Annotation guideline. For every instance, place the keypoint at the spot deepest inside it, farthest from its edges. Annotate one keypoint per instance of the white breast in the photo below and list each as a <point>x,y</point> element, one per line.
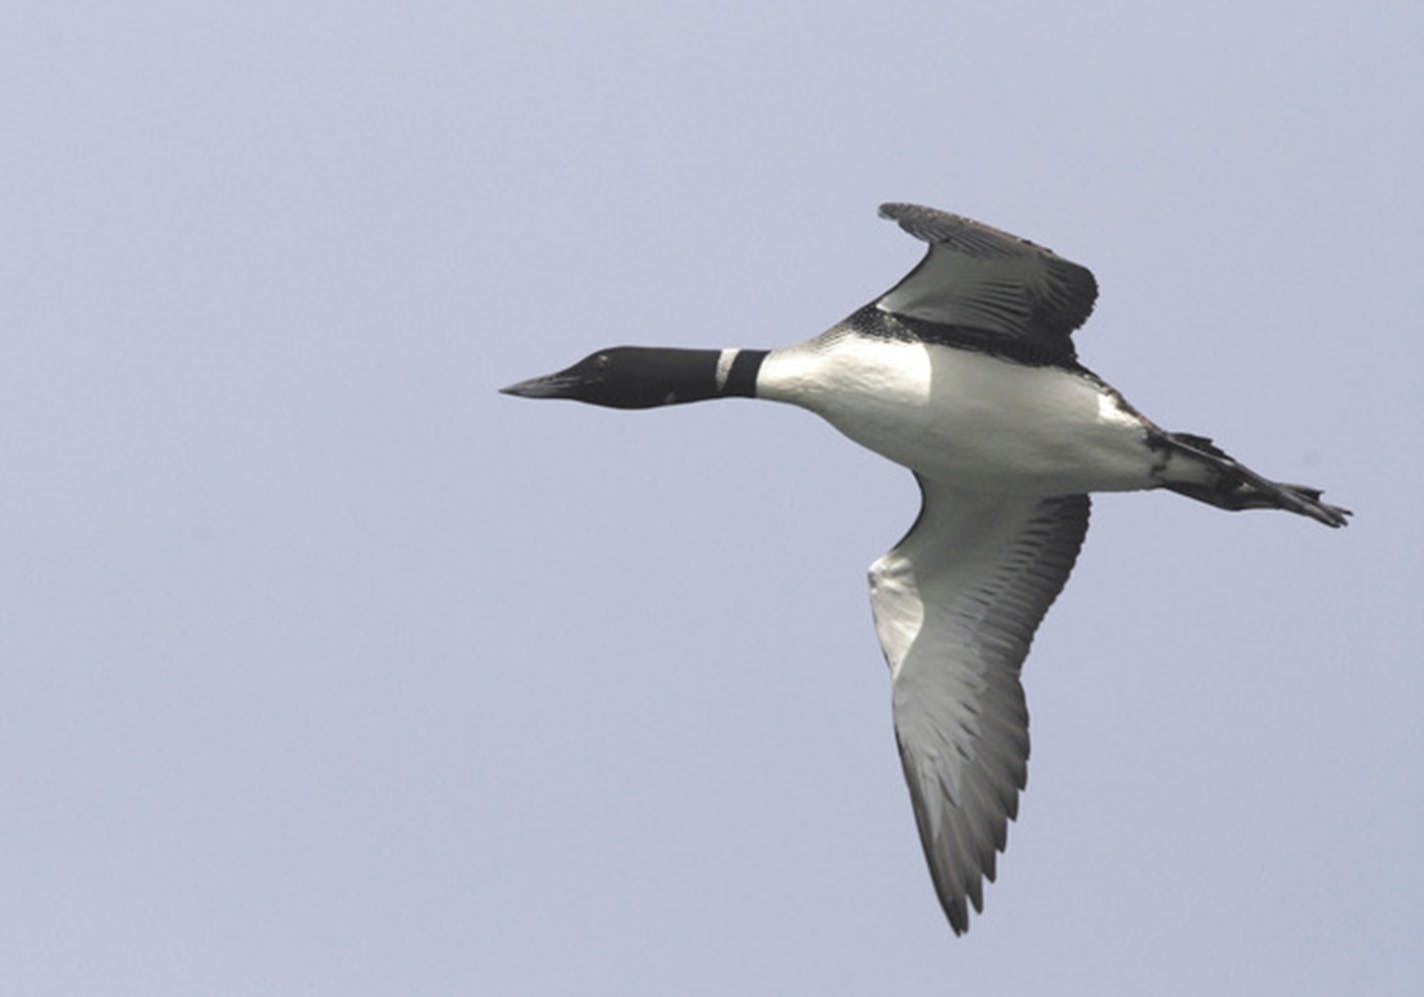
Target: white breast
<point>966,417</point>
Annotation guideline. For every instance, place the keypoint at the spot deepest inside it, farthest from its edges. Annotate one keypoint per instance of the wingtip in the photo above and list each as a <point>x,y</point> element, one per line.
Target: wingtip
<point>896,210</point>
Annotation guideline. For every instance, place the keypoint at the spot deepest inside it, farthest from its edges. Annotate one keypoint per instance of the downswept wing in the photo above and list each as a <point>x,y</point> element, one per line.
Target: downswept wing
<point>980,278</point>
<point>956,604</point>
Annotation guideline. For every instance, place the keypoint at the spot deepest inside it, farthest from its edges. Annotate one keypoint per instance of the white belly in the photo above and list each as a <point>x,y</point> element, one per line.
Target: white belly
<point>964,417</point>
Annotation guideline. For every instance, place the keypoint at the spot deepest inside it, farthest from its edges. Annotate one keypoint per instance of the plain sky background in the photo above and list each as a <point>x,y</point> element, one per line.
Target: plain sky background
<point>328,670</point>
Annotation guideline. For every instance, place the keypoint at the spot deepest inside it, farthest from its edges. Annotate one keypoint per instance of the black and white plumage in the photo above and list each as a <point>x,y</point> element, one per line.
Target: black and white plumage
<point>964,372</point>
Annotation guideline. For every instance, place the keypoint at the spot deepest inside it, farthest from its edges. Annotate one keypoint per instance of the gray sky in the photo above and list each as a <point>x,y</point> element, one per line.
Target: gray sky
<point>326,669</point>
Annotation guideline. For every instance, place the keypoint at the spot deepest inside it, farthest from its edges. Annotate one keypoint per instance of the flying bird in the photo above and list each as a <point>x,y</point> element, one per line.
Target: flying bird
<point>964,372</point>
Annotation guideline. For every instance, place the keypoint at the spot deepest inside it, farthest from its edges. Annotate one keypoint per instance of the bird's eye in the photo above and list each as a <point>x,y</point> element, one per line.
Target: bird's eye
<point>601,360</point>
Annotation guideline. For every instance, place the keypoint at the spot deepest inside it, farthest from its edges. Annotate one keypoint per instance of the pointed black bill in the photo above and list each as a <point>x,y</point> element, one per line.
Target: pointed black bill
<point>550,386</point>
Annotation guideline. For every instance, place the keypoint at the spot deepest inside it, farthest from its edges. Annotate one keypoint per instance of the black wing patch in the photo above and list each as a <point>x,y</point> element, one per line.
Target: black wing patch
<point>982,288</point>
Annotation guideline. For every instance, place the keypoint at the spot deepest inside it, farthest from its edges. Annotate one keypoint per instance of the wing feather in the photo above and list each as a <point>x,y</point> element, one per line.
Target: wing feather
<point>981,278</point>
<point>956,604</point>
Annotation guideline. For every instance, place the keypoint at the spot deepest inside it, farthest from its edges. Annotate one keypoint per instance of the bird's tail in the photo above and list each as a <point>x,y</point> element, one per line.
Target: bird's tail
<point>1233,485</point>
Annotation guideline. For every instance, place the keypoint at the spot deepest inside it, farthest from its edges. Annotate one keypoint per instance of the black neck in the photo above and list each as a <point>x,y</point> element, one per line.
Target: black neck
<point>742,375</point>
<point>677,376</point>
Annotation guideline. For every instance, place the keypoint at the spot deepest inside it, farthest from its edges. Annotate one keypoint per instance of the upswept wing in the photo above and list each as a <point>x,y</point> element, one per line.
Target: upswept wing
<point>956,604</point>
<point>980,278</point>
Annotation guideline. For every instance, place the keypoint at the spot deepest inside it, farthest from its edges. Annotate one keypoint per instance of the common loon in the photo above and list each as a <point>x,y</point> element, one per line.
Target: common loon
<point>965,373</point>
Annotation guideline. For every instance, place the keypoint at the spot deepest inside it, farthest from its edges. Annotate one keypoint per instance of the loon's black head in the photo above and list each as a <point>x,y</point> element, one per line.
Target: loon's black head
<point>630,377</point>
